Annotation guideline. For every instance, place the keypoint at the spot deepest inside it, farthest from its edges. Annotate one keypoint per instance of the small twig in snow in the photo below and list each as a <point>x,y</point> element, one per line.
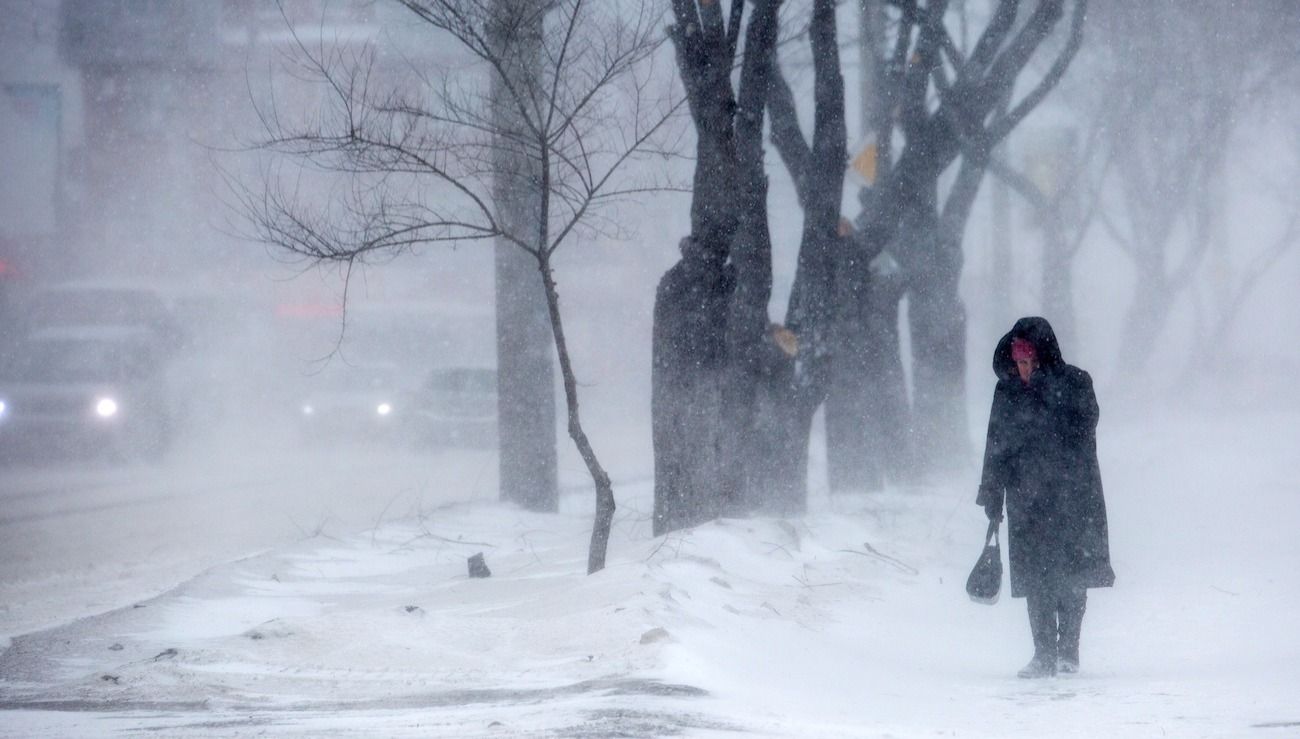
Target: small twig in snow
<point>774,546</point>
<point>871,552</point>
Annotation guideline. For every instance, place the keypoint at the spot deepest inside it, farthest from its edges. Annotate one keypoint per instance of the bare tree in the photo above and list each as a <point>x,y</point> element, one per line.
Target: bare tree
<point>712,346</point>
<point>763,380</point>
<point>1259,265</point>
<point>867,413</point>
<point>1186,75</point>
<point>813,317</point>
<point>948,103</point>
<point>1064,199</point>
<point>1239,271</point>
<point>414,165</point>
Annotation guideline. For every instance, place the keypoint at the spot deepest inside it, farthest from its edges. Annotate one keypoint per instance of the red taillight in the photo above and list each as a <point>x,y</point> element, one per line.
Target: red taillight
<point>308,310</point>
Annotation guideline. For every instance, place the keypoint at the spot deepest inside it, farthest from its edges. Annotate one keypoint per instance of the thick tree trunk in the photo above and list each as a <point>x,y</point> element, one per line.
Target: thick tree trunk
<point>778,466</point>
<point>795,378</point>
<point>866,402</point>
<point>938,326</point>
<point>903,212</point>
<point>525,365</point>
<point>749,349</point>
<point>750,357</point>
<point>525,384</point>
<point>888,411</point>
<point>938,319</point>
<point>937,323</point>
<point>850,460</point>
<point>693,392</point>
<point>934,140</point>
<point>874,405</point>
<point>1058,277</point>
<point>688,380</point>
<point>711,308</point>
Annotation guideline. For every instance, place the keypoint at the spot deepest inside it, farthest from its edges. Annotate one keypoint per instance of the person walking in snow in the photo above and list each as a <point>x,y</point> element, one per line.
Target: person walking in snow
<point>1041,459</point>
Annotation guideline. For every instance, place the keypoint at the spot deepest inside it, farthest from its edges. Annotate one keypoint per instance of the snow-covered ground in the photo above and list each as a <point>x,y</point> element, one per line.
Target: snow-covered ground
<point>82,537</point>
<point>849,622</point>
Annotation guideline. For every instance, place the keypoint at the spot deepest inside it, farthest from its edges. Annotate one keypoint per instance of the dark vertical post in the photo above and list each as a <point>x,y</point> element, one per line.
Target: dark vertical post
<point>525,344</point>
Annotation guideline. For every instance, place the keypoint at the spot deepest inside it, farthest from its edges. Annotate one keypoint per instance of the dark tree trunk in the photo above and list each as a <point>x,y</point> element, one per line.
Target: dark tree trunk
<point>1058,275</point>
<point>901,212</point>
<point>868,437</point>
<point>795,383</point>
<point>938,324</point>
<point>692,301</point>
<point>688,375</point>
<point>767,397</point>
<point>937,321</point>
<point>934,140</point>
<point>525,364</point>
<point>749,353</point>
<point>888,419</point>
<point>711,308</point>
<point>525,384</point>
<point>851,460</point>
<point>866,405</point>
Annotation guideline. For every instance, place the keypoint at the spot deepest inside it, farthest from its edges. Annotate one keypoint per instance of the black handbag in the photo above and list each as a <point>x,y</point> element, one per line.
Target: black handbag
<point>985,578</point>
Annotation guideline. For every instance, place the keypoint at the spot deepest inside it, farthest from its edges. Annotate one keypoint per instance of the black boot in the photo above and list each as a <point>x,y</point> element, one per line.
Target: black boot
<point>1070,618</point>
<point>1043,626</point>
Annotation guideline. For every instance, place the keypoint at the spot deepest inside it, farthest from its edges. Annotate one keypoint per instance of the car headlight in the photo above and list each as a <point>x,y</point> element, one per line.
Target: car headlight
<point>384,409</point>
<point>307,410</point>
<point>106,407</point>
<point>4,408</point>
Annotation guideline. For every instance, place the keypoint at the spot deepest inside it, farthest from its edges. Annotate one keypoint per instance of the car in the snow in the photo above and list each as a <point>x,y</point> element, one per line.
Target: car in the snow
<point>201,337</point>
<point>86,390</point>
<point>455,406</point>
<point>352,402</point>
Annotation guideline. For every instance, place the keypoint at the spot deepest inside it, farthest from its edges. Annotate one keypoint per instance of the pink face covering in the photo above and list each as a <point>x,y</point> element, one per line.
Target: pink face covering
<point>1021,350</point>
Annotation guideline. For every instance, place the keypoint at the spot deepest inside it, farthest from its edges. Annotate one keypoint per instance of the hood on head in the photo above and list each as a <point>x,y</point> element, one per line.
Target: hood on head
<point>1036,331</point>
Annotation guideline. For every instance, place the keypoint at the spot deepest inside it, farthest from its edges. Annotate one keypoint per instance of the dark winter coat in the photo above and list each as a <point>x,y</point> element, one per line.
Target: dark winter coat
<point>1041,458</point>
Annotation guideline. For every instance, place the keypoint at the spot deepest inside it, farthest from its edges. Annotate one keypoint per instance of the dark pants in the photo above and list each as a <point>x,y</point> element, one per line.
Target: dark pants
<point>1055,619</point>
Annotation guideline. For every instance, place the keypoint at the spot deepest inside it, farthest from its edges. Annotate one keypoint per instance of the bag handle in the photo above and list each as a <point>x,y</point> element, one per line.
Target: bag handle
<point>992,535</point>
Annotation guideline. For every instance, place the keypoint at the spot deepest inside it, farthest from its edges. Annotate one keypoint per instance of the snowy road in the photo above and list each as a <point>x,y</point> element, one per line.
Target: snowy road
<point>81,538</point>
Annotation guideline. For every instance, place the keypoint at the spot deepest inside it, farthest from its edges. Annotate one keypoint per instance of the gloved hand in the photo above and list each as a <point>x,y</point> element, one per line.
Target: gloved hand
<point>993,511</point>
<point>1048,386</point>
